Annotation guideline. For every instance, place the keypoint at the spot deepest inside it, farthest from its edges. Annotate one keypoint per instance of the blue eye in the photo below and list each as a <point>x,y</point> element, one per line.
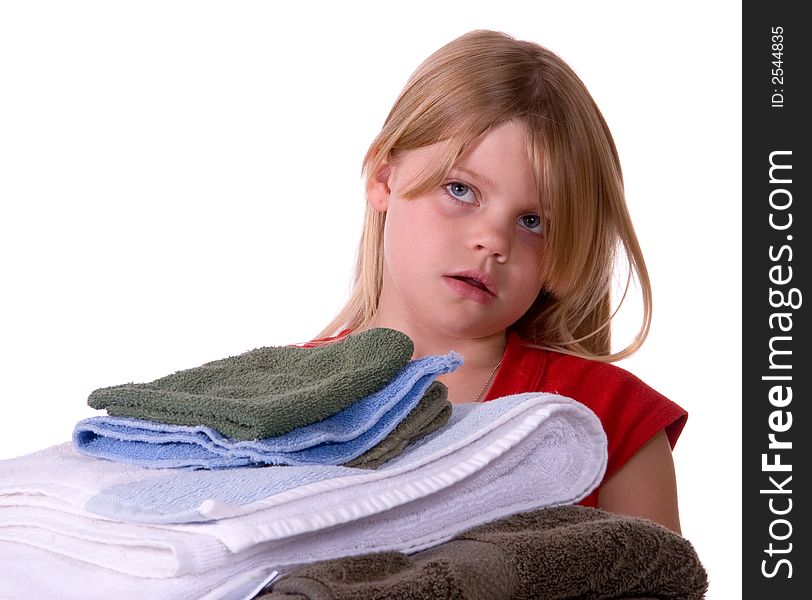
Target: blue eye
<point>460,192</point>
<point>531,222</point>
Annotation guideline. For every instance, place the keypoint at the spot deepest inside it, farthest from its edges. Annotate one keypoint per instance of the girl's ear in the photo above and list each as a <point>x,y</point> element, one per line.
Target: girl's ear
<point>378,188</point>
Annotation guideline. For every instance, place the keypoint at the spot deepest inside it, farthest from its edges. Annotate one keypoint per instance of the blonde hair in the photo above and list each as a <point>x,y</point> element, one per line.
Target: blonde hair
<point>470,86</point>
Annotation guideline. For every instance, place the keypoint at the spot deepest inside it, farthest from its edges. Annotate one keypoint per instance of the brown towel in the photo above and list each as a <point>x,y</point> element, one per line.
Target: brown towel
<point>431,413</point>
<point>551,554</point>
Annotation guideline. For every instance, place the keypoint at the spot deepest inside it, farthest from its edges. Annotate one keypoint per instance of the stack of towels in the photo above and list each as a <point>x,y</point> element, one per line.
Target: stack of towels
<point>356,402</point>
<point>93,518</point>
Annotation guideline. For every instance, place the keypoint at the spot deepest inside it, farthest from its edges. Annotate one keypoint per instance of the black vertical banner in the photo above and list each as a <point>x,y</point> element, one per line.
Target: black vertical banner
<point>777,227</point>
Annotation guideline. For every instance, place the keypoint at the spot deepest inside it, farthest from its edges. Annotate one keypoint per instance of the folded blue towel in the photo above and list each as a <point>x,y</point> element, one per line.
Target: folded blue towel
<point>335,440</point>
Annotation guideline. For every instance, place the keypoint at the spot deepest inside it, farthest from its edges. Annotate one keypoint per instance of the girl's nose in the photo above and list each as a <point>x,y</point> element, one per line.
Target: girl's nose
<point>492,238</point>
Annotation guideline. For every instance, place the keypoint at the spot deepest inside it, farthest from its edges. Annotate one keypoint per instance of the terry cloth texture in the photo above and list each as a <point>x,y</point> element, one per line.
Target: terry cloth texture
<point>338,439</point>
<point>546,448</point>
<point>550,554</point>
<point>129,524</point>
<point>433,411</point>
<point>31,573</point>
<point>268,391</point>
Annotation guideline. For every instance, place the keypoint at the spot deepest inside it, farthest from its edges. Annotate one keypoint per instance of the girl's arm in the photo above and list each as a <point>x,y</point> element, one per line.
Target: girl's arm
<point>646,486</point>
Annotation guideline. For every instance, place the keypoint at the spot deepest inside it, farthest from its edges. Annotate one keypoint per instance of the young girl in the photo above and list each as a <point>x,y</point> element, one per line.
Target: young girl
<point>495,210</point>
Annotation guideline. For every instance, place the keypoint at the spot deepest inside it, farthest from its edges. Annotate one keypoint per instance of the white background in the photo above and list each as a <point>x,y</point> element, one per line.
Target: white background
<point>180,181</point>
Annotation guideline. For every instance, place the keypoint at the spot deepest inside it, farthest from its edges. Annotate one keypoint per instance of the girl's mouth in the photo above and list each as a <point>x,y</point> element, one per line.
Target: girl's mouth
<point>473,286</point>
<point>471,281</point>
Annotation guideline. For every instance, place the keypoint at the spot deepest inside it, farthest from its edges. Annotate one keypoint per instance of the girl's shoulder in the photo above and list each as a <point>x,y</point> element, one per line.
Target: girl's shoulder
<point>630,410</point>
<point>325,340</point>
<point>539,369</point>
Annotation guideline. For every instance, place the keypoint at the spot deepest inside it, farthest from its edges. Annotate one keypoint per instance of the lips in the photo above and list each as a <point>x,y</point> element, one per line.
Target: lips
<point>474,285</point>
<point>477,279</point>
<point>471,281</point>
<point>474,282</point>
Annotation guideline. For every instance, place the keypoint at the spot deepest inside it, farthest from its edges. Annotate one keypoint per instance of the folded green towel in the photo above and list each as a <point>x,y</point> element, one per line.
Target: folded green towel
<point>556,553</point>
<point>431,413</point>
<point>268,391</point>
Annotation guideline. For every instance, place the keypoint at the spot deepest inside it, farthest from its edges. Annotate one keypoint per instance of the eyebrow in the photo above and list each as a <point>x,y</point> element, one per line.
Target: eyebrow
<point>475,175</point>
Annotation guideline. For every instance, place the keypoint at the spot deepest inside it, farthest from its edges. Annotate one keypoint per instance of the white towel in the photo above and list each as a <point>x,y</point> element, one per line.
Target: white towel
<point>518,453</point>
<point>32,573</point>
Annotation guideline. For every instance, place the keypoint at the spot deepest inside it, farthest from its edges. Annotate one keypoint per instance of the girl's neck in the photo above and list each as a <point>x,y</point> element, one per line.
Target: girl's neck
<point>481,356</point>
<point>477,350</point>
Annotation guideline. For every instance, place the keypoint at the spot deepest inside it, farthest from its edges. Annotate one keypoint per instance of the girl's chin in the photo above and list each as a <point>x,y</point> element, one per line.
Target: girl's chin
<point>463,328</point>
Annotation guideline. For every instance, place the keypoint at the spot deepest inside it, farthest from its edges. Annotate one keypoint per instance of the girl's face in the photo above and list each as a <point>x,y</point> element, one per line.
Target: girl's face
<point>462,260</point>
